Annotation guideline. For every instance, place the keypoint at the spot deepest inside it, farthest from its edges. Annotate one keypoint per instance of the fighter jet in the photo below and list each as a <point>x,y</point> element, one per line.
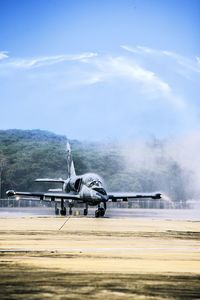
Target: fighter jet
<point>87,188</point>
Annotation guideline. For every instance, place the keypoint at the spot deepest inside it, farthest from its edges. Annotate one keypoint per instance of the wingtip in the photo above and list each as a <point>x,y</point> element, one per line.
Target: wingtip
<point>10,193</point>
<point>157,196</point>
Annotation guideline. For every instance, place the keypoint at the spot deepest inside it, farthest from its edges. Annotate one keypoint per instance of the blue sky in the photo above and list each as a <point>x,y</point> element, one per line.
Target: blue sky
<point>100,70</point>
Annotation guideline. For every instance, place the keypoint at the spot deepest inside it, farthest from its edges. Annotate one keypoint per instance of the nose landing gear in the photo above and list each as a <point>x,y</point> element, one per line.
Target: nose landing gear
<point>100,212</point>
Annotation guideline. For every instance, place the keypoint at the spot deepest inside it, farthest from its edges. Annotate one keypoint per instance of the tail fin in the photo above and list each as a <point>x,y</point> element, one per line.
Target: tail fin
<point>70,163</point>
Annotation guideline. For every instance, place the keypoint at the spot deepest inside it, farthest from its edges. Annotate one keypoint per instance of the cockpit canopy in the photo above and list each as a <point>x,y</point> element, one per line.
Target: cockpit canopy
<point>91,179</point>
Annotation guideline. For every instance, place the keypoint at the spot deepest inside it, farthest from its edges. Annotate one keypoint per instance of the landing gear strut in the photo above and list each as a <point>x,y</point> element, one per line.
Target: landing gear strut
<point>70,208</point>
<point>85,212</point>
<point>63,210</point>
<point>57,211</point>
<point>100,212</point>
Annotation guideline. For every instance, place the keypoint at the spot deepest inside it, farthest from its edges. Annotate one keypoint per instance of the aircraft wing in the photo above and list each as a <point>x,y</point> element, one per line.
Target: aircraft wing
<point>125,196</point>
<point>49,196</point>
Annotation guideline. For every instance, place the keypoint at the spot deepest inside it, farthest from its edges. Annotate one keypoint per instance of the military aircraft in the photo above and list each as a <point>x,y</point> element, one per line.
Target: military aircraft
<point>87,188</point>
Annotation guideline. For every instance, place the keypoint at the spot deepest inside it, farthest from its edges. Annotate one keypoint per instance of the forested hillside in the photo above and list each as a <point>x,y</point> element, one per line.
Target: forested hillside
<point>26,155</point>
<point>29,154</point>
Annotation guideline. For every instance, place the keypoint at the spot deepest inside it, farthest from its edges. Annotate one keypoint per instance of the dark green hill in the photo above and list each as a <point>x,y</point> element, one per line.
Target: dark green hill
<point>29,154</point>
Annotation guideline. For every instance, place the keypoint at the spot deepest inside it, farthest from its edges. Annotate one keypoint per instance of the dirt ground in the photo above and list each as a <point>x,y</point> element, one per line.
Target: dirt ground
<point>88,258</point>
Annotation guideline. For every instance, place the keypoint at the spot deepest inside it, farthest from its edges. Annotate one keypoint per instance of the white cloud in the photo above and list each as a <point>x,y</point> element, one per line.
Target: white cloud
<point>109,67</point>
<point>148,82</point>
<point>48,60</point>
<point>146,49</point>
<point>136,87</point>
<point>101,68</point>
<point>82,80</point>
<point>135,72</point>
<point>3,55</point>
<point>187,63</point>
<point>91,80</point>
<point>191,64</point>
<point>130,49</point>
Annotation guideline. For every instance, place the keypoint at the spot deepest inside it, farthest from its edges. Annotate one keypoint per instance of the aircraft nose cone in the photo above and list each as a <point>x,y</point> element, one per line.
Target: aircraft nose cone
<point>100,190</point>
<point>98,195</point>
<point>103,198</point>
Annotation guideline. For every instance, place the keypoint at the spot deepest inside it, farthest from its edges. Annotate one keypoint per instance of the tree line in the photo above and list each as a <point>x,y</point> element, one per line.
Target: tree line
<point>29,154</point>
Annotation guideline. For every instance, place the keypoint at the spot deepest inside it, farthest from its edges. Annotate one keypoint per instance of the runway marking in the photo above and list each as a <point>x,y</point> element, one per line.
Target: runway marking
<point>99,250</point>
<point>64,223</point>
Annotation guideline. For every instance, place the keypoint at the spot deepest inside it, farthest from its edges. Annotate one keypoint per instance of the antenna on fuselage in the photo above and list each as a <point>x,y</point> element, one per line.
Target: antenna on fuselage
<point>70,163</point>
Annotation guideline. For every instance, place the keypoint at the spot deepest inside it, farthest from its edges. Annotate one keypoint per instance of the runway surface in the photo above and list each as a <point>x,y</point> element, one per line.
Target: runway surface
<point>154,254</point>
<point>163,214</point>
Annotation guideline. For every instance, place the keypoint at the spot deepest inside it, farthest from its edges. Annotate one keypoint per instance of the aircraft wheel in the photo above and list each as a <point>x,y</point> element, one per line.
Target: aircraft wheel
<point>70,211</point>
<point>57,211</point>
<point>97,213</point>
<point>63,211</point>
<point>101,211</point>
<point>85,212</point>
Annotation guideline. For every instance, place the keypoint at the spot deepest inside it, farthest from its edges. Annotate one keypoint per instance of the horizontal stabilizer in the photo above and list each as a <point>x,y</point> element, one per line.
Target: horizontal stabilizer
<point>54,180</point>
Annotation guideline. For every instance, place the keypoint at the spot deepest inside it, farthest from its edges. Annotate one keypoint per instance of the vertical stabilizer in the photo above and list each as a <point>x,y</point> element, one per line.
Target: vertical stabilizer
<point>70,163</point>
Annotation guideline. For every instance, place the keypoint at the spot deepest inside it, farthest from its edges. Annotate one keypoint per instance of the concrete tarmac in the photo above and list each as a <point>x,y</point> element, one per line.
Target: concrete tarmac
<point>48,257</point>
<point>159,214</point>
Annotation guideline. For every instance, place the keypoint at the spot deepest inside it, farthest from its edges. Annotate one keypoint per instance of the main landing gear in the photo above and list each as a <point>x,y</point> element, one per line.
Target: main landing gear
<point>85,211</point>
<point>62,211</point>
<point>100,212</point>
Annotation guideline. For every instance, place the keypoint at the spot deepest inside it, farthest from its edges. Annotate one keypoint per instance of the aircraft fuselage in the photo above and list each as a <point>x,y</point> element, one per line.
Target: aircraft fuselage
<point>89,186</point>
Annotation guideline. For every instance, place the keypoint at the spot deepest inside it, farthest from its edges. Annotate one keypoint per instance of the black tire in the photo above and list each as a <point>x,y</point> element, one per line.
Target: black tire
<point>85,212</point>
<point>70,211</point>
<point>102,211</point>
<point>97,213</point>
<point>63,211</point>
<point>57,211</point>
